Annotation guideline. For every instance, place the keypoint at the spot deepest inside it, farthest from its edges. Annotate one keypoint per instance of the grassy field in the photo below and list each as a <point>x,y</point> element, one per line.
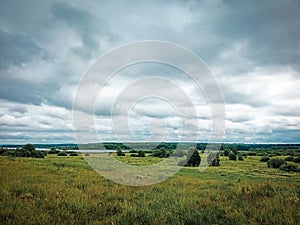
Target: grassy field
<point>65,190</point>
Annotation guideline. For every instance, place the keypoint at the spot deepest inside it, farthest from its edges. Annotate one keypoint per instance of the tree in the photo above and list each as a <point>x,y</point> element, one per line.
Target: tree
<point>264,159</point>
<point>240,157</point>
<point>226,152</point>
<point>297,159</point>
<point>29,147</point>
<point>213,159</point>
<point>289,167</point>
<point>234,150</point>
<point>53,151</point>
<point>195,158</point>
<point>141,153</point>
<point>275,163</point>
<point>119,152</point>
<point>232,156</point>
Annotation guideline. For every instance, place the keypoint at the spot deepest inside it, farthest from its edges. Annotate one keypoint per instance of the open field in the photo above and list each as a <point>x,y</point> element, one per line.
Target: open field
<point>65,190</point>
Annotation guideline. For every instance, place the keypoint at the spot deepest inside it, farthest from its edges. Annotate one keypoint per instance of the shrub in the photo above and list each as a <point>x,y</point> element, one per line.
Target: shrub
<point>289,159</point>
<point>289,167</point>
<point>297,159</point>
<point>252,153</point>
<point>275,163</point>
<point>213,159</point>
<point>73,154</point>
<point>29,147</point>
<point>264,159</point>
<point>226,152</point>
<point>240,158</point>
<point>22,153</point>
<point>232,156</point>
<point>119,152</point>
<point>62,153</point>
<point>141,153</point>
<point>37,154</point>
<point>134,155</point>
<point>162,153</point>
<point>53,151</point>
<point>195,158</point>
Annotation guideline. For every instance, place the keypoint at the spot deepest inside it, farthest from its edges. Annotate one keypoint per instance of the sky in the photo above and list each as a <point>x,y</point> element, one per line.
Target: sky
<point>251,47</point>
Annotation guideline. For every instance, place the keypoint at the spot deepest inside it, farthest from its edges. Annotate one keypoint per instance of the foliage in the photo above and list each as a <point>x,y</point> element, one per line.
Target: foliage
<point>297,159</point>
<point>240,157</point>
<point>62,153</point>
<point>162,153</point>
<point>275,163</point>
<point>287,167</point>
<point>73,154</point>
<point>264,159</point>
<point>226,152</point>
<point>194,159</point>
<point>232,156</point>
<point>53,151</point>
<point>141,153</point>
<point>213,159</point>
<point>29,147</point>
<point>119,152</point>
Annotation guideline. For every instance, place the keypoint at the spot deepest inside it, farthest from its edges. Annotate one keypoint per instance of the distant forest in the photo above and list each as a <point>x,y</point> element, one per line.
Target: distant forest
<point>165,145</point>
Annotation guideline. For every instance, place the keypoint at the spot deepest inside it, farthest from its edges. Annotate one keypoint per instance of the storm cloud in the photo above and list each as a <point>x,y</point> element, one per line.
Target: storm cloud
<point>251,47</point>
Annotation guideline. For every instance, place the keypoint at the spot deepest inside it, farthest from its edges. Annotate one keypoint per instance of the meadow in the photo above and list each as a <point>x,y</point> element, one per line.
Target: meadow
<point>65,190</point>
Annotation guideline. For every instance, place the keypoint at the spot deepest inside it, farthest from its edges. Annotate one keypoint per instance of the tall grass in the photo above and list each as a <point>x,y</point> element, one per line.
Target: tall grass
<point>65,190</point>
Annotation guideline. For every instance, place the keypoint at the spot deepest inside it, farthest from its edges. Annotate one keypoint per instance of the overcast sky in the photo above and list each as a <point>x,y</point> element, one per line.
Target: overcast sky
<point>251,47</point>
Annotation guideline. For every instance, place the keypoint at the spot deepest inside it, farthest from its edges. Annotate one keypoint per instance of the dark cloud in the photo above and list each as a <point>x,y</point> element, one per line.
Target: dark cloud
<point>84,24</point>
<point>16,49</point>
<point>46,46</point>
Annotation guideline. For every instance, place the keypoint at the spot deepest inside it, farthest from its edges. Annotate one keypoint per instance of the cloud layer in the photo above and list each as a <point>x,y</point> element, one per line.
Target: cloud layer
<point>252,47</point>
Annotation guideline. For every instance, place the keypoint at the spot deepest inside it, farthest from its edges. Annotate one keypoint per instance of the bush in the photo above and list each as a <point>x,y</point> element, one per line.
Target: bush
<point>134,155</point>
<point>232,156</point>
<point>289,159</point>
<point>289,167</point>
<point>275,163</point>
<point>252,153</point>
<point>226,152</point>
<point>29,147</point>
<point>22,153</point>
<point>264,159</point>
<point>141,153</point>
<point>62,153</point>
<point>195,158</point>
<point>37,154</point>
<point>240,158</point>
<point>53,151</point>
<point>73,154</point>
<point>119,152</point>
<point>297,159</point>
<point>162,153</point>
<point>213,159</point>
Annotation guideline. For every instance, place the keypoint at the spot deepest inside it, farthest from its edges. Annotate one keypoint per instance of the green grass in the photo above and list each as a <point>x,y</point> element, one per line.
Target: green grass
<point>65,190</point>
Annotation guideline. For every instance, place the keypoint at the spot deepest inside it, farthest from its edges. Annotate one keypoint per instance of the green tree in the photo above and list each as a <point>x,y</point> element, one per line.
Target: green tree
<point>232,156</point>
<point>195,158</point>
<point>29,147</point>
<point>119,152</point>
<point>141,153</point>
<point>213,159</point>
<point>275,163</point>
<point>226,152</point>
